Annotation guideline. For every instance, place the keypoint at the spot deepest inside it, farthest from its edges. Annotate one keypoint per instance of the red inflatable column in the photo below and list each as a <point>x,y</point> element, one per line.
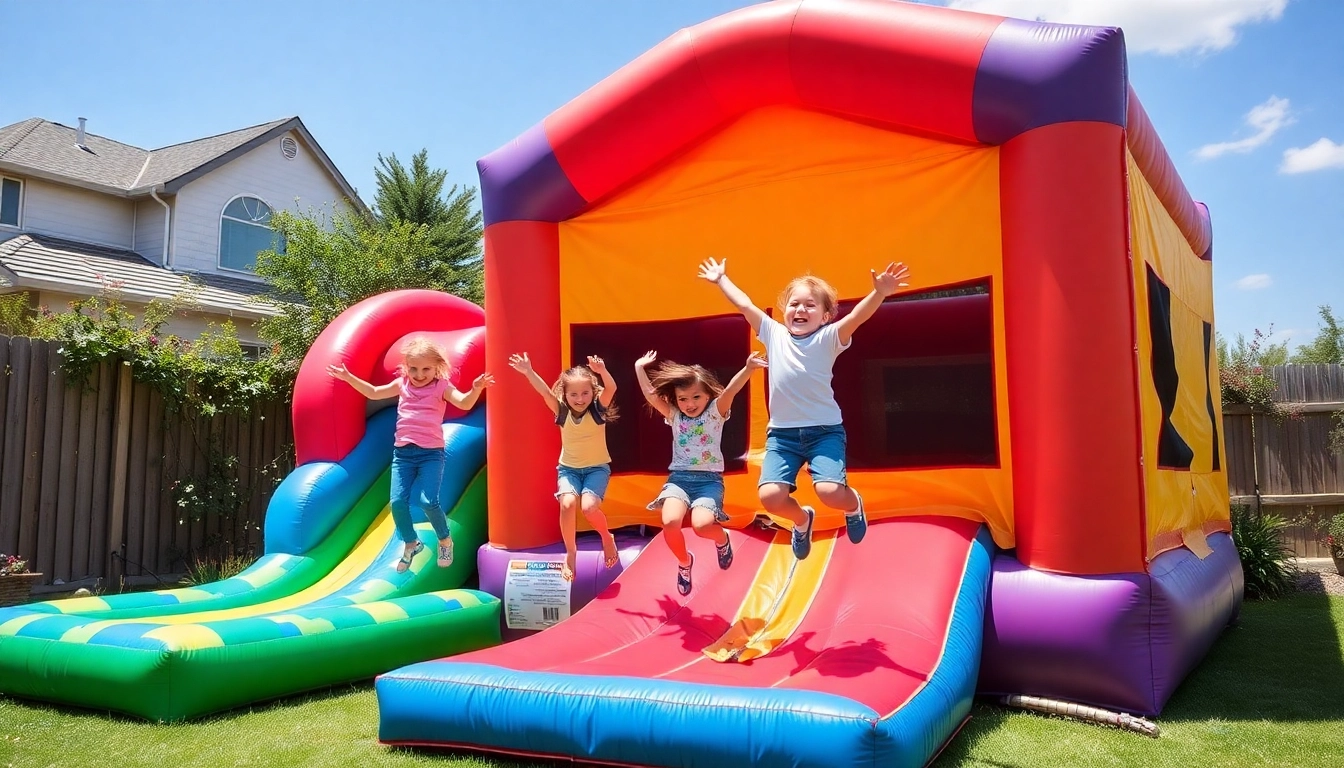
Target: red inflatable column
<point>522,314</point>
<point>1068,307</point>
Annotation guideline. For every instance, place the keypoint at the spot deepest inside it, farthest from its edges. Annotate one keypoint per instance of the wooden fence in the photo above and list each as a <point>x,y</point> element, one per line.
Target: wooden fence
<point>1288,468</point>
<point>87,472</point>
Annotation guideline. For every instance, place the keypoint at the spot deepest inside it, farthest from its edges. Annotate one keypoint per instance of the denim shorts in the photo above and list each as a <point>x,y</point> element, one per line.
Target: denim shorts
<point>787,449</point>
<point>591,480</point>
<point>696,488</point>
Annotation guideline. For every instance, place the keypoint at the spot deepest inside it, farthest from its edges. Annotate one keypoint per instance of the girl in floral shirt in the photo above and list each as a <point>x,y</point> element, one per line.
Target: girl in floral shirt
<point>694,403</point>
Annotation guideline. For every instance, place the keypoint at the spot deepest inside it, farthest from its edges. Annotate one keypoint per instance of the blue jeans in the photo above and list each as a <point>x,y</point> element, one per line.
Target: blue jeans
<point>822,448</point>
<point>695,488</point>
<point>417,478</point>
<point>580,480</point>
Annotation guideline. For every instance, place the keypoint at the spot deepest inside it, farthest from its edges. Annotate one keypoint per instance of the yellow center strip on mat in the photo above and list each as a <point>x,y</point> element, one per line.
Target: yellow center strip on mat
<point>779,598</point>
<point>368,548</point>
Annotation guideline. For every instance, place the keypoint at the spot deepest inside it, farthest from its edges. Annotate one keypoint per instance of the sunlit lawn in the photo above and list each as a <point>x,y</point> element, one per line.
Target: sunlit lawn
<point>1270,694</point>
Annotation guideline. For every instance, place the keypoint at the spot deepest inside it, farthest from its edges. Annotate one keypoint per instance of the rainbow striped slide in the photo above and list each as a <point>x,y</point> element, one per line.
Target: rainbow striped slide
<point>332,612</point>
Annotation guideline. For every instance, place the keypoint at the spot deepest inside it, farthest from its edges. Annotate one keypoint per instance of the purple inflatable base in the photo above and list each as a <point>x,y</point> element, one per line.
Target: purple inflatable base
<point>591,577</point>
<point>1121,641</point>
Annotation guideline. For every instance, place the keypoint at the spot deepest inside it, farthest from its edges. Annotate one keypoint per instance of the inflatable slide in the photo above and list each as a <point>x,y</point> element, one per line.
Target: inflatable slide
<point>829,661</point>
<point>324,604</point>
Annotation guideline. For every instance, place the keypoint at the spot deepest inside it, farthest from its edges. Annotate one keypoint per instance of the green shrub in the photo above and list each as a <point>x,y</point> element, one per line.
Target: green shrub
<point>1334,535</point>
<point>208,569</point>
<point>1265,558</point>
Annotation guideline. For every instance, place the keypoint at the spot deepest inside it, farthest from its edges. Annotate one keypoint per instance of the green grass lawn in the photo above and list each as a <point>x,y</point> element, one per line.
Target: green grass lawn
<point>1271,693</point>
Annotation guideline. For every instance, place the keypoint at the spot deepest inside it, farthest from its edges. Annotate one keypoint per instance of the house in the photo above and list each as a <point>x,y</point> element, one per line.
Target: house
<point>80,213</point>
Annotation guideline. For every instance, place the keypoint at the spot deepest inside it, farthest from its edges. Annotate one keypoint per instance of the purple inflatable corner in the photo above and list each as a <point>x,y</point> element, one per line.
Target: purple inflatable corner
<point>1033,74</point>
<point>1122,641</point>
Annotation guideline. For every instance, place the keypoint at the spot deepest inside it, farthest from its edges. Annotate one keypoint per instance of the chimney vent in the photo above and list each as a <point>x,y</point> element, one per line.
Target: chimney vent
<point>79,134</point>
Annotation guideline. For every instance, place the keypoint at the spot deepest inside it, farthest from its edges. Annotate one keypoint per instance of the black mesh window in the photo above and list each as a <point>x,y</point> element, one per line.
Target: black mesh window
<point>916,387</point>
<point>640,441</point>
<point>1173,452</point>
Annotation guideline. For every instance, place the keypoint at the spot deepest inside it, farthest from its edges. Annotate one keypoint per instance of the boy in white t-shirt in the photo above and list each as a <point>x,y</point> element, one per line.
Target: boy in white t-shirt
<point>805,423</point>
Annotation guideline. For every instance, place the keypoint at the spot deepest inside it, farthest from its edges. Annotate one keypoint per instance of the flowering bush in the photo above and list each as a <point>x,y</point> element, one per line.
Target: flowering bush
<point>1334,536</point>
<point>11,565</point>
<point>1244,379</point>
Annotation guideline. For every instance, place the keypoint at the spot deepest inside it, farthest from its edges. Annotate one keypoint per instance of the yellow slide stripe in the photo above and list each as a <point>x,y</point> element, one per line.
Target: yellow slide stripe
<point>368,548</point>
<point>779,598</point>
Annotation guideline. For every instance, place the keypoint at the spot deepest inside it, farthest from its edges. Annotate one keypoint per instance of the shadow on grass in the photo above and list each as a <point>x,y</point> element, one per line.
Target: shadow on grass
<point>486,759</point>
<point>1281,661</point>
<point>985,719</point>
<point>286,702</point>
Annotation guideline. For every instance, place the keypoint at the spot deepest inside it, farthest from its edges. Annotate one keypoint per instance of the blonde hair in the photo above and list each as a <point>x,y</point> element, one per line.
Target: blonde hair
<point>423,347</point>
<point>672,376</point>
<point>584,373</point>
<point>820,290</point>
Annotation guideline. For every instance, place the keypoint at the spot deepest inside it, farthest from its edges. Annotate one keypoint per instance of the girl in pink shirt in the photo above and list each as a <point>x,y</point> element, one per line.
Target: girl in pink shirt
<point>417,453</point>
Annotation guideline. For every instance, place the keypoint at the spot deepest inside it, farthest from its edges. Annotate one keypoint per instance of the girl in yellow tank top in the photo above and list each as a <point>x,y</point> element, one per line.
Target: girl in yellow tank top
<point>581,400</point>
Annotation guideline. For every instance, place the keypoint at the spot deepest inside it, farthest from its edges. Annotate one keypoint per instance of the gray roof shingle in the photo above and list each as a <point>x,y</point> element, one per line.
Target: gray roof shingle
<point>168,163</point>
<point>57,264</point>
<point>49,148</point>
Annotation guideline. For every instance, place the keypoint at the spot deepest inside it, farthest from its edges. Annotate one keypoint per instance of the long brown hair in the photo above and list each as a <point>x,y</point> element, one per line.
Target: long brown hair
<point>671,376</point>
<point>581,373</point>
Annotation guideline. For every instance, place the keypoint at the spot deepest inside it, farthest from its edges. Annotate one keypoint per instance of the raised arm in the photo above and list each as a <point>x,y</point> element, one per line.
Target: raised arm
<point>655,402</point>
<point>716,272</point>
<point>380,392</point>
<point>467,400</point>
<point>739,380</point>
<point>608,382</point>
<point>885,283</point>
<point>523,365</point>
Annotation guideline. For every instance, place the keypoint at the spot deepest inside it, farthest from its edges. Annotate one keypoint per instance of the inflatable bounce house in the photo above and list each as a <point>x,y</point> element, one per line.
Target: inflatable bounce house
<point>324,604</point>
<point>1034,424</point>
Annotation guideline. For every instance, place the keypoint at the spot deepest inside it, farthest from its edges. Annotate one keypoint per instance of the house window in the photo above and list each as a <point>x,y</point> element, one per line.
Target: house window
<point>244,231</point>
<point>11,192</point>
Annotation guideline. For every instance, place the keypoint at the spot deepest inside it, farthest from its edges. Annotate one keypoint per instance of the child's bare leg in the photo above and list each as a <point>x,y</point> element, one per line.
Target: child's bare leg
<point>837,496</point>
<point>592,510</point>
<point>674,512</point>
<point>846,499</point>
<point>778,500</point>
<point>568,532</point>
<point>706,527</point>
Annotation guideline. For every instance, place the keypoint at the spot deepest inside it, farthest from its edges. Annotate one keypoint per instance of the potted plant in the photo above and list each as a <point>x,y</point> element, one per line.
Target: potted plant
<point>16,581</point>
<point>1334,539</point>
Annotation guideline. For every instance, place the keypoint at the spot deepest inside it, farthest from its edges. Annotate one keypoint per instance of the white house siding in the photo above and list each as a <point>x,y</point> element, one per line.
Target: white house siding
<point>182,326</point>
<point>297,185</point>
<point>77,214</point>
<point>149,229</point>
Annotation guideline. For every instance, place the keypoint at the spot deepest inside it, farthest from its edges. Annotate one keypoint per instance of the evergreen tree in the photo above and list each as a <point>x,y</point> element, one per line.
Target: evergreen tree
<point>416,196</point>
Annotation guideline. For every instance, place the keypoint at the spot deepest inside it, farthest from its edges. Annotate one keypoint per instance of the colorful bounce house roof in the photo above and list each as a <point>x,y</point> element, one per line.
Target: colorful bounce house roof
<point>1033,426</point>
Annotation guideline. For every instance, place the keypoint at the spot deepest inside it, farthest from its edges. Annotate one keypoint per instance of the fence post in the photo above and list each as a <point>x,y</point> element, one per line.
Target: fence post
<point>117,524</point>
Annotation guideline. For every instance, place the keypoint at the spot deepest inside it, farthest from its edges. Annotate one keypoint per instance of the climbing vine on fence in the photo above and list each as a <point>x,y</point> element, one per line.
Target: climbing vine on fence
<point>210,375</point>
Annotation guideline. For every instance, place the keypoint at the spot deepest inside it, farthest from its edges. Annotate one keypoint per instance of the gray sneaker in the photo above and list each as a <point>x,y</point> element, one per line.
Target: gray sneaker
<point>856,523</point>
<point>802,540</point>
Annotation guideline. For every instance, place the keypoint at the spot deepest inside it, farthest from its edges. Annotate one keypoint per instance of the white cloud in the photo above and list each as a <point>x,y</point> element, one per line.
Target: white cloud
<point>1319,156</point>
<point>1156,26</point>
<point>1285,335</point>
<point>1255,282</point>
<point>1266,119</point>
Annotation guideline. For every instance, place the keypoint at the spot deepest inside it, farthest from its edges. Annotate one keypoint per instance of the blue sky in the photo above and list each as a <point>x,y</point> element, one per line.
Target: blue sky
<point>1248,96</point>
